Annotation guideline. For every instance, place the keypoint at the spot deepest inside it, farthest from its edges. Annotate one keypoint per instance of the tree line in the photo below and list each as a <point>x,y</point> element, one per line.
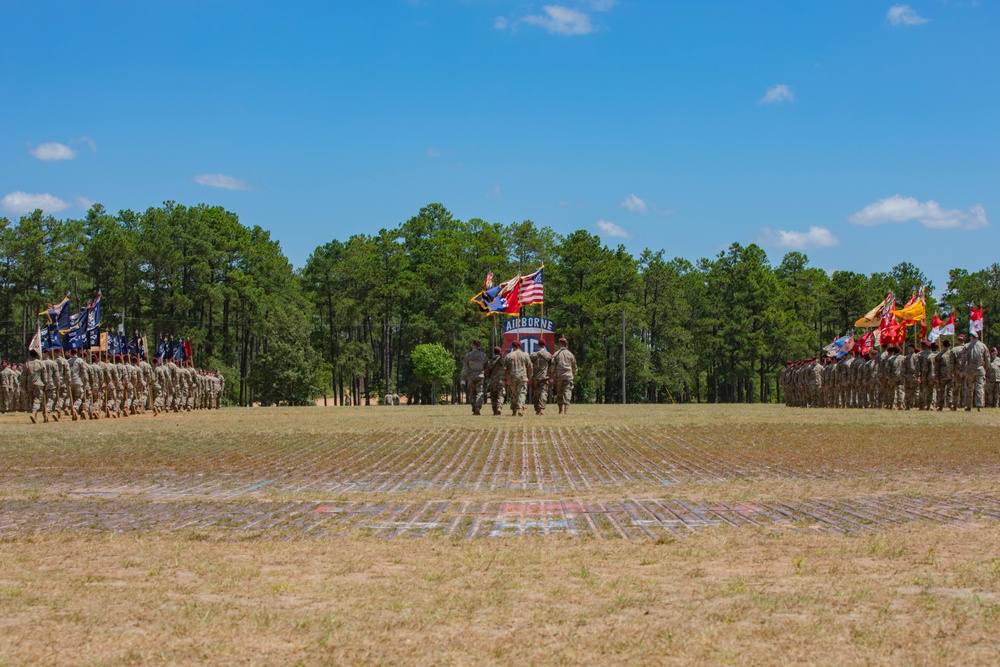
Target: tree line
<point>345,324</point>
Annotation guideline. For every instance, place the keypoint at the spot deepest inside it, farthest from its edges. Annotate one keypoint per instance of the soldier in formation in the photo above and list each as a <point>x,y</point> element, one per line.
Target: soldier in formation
<point>496,376</point>
<point>86,386</point>
<point>541,359</point>
<point>921,377</point>
<point>518,365</point>
<point>507,377</point>
<point>474,374</point>
<point>563,372</point>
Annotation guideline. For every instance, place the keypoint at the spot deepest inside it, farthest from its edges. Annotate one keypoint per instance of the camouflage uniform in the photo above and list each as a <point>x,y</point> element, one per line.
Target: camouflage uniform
<point>911,378</point>
<point>961,378</point>
<point>76,375</point>
<point>944,368</point>
<point>8,390</point>
<point>977,360</point>
<point>51,384</point>
<point>540,361</point>
<point>518,365</point>
<point>473,374</point>
<point>928,379</point>
<point>897,364</point>
<point>563,371</point>
<point>992,378</point>
<point>62,402</point>
<point>496,372</point>
<point>159,387</point>
<point>34,382</point>
<point>814,382</point>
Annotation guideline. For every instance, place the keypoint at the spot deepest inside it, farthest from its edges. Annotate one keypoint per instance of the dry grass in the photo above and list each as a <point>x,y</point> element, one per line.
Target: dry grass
<point>858,452</point>
<point>919,596</point>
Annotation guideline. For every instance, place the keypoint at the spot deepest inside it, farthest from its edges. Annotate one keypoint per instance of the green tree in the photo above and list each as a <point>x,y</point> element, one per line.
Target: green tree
<point>433,364</point>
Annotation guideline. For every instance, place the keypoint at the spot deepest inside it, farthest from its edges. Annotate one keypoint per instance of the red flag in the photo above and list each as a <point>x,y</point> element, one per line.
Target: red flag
<point>948,328</point>
<point>976,321</point>
<point>865,343</point>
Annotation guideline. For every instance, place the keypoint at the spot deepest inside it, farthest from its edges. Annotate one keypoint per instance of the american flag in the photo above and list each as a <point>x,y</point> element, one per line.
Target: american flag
<point>532,290</point>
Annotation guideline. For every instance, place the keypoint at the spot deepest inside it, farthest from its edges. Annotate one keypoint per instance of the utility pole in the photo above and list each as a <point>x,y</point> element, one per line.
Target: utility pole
<point>623,356</point>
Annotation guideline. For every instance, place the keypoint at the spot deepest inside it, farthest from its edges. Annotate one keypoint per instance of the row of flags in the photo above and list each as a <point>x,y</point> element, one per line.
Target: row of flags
<point>63,330</point>
<point>510,295</point>
<point>888,325</point>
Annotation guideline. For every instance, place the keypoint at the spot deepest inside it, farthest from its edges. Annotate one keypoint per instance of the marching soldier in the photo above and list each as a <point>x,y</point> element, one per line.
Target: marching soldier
<point>75,374</point>
<point>540,361</point>
<point>34,380</point>
<point>563,372</point>
<point>496,373</point>
<point>62,365</point>
<point>518,366</point>
<point>51,385</point>
<point>156,388</point>
<point>473,374</point>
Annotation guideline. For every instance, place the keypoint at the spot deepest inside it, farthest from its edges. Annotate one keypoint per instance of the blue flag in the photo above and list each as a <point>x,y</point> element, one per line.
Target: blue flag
<point>179,350</point>
<point>55,338</point>
<point>94,313</point>
<point>76,339</point>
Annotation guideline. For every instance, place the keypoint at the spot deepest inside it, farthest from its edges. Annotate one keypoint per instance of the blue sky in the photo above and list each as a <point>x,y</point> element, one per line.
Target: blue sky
<point>864,133</point>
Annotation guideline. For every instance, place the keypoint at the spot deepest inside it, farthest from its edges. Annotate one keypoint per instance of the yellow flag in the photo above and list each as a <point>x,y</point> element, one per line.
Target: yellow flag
<point>915,312</point>
<point>873,317</point>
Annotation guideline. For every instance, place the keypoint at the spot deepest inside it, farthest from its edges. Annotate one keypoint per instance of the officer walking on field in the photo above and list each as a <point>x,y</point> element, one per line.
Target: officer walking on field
<point>563,371</point>
<point>473,373</point>
<point>540,361</point>
<point>518,365</point>
<point>496,374</point>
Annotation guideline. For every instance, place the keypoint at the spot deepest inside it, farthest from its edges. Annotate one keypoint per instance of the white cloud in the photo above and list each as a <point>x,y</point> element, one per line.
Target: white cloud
<point>779,92</point>
<point>90,142</point>
<point>222,181</point>
<point>52,151</point>
<point>562,20</point>
<point>816,237</point>
<point>84,202</point>
<point>930,214</point>
<point>633,204</point>
<point>500,23</point>
<point>904,15</point>
<point>494,192</point>
<point>600,5</point>
<point>609,228</point>
<point>433,152</point>
<point>22,203</point>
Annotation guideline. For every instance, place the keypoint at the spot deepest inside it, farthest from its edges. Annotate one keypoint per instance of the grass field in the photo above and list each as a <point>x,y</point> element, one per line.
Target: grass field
<point>644,535</point>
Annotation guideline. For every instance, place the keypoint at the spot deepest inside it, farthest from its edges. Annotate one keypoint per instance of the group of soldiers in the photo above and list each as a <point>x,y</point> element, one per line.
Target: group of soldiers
<point>935,376</point>
<point>507,377</point>
<point>86,386</point>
